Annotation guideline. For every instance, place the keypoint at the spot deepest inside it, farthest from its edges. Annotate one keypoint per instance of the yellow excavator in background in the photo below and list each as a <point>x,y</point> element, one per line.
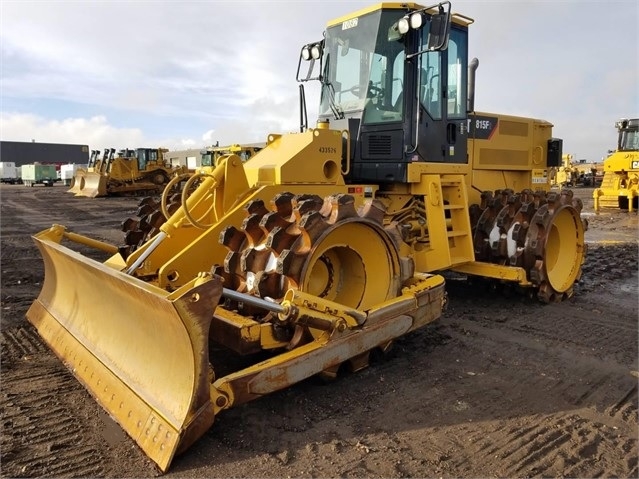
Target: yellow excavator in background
<point>327,244</point>
<point>620,185</point>
<point>131,172</point>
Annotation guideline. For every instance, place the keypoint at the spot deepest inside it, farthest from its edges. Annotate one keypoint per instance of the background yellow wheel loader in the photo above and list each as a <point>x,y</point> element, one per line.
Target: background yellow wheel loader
<point>131,172</point>
<point>328,243</point>
<point>620,185</point>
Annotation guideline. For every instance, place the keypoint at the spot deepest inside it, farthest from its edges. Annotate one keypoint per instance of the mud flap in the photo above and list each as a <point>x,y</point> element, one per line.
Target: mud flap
<point>93,185</point>
<point>140,351</point>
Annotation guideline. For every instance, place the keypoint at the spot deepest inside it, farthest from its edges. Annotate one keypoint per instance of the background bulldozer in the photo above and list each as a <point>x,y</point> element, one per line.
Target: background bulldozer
<point>131,172</point>
<point>620,185</point>
<point>78,179</point>
<point>327,244</point>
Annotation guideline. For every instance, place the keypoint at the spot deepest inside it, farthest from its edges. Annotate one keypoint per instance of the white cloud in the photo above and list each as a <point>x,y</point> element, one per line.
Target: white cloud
<point>95,131</point>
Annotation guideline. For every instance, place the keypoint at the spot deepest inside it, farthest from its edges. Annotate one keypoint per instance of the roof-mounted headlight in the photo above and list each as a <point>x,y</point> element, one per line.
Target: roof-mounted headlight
<point>316,51</point>
<point>623,123</point>
<point>416,20</point>
<point>306,53</point>
<point>403,25</point>
<point>312,51</point>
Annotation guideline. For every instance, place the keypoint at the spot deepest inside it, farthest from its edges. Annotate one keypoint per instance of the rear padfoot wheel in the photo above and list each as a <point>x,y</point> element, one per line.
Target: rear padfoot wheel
<point>543,233</point>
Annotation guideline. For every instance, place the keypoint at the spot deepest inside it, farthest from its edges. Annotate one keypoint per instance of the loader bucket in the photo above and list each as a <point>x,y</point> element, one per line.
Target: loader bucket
<point>93,185</point>
<point>141,352</point>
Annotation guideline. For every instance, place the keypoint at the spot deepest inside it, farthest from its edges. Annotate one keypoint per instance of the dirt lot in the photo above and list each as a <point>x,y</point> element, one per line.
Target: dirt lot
<point>500,386</point>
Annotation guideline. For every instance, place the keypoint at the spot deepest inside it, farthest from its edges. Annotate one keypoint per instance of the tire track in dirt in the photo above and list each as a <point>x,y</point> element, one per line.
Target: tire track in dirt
<point>560,444</point>
<point>40,436</point>
<point>625,407</point>
<point>68,461</point>
<point>18,251</point>
<point>602,399</point>
<point>20,342</point>
<point>598,378</point>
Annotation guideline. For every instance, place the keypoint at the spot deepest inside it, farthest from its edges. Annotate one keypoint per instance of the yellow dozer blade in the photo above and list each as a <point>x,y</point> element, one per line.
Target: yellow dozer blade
<point>145,361</point>
<point>93,185</point>
<point>77,182</point>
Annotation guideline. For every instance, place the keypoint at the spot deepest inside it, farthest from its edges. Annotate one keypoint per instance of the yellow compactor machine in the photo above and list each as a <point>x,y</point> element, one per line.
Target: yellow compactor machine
<point>131,172</point>
<point>620,185</point>
<point>325,245</point>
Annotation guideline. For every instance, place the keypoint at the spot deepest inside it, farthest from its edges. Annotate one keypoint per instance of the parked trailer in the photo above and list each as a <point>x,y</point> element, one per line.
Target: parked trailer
<point>39,174</point>
<point>8,172</point>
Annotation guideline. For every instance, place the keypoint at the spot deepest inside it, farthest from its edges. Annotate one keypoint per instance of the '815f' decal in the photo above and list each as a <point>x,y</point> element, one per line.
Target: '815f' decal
<point>482,127</point>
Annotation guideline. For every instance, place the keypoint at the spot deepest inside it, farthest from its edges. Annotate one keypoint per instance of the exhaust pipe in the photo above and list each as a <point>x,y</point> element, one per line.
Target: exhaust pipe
<point>472,70</point>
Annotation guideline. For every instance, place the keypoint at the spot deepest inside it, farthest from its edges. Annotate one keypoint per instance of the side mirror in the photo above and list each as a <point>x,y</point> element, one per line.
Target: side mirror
<point>438,31</point>
<point>438,27</point>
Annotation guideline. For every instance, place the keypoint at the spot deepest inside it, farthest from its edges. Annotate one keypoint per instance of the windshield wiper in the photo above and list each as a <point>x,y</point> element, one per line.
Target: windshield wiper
<point>338,113</point>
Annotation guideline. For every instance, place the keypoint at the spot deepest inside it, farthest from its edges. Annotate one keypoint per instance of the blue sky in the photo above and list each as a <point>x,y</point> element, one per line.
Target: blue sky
<point>187,74</point>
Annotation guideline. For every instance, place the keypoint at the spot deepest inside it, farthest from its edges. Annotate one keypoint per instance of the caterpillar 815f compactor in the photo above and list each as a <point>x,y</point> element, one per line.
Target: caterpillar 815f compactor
<point>620,185</point>
<point>325,245</point>
<point>131,172</point>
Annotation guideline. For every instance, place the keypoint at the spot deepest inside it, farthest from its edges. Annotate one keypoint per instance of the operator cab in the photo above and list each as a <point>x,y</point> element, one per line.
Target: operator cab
<point>396,78</point>
<point>146,156</point>
<point>628,134</point>
<point>206,158</point>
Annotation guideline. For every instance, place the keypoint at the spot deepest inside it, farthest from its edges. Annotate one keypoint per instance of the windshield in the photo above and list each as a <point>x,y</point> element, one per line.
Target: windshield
<point>629,140</point>
<point>363,69</point>
<point>207,159</point>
